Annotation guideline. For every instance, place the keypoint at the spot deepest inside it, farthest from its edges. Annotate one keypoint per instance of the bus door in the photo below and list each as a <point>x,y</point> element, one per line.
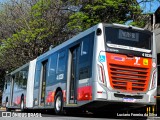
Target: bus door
<point>74,58</point>
<point>43,83</point>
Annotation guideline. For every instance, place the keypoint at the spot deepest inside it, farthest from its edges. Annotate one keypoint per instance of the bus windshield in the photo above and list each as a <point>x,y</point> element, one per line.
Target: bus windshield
<point>128,39</point>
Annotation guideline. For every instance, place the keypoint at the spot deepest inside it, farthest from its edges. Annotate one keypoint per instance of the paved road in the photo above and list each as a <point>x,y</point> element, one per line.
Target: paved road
<point>56,117</point>
<point>49,116</point>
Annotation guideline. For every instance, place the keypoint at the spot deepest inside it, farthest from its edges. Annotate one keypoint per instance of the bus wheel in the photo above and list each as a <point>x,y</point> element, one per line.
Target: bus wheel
<point>22,105</point>
<point>58,104</point>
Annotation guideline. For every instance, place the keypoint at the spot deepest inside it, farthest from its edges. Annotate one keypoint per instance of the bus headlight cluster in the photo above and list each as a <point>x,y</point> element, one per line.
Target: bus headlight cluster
<point>154,79</point>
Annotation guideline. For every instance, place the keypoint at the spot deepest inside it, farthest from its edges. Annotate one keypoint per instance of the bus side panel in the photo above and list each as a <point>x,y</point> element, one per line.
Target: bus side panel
<point>56,77</point>
<point>51,93</point>
<point>30,84</point>
<point>19,78</point>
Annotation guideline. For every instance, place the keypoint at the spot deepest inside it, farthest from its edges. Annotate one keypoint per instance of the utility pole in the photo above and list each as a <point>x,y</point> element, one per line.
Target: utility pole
<point>154,21</point>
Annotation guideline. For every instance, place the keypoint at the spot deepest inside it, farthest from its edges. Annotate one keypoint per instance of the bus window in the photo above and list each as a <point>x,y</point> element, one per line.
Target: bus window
<point>84,73</point>
<point>52,68</point>
<point>61,62</point>
<point>128,37</point>
<point>7,83</point>
<point>16,81</point>
<point>20,77</point>
<point>23,76</point>
<point>37,75</point>
<point>85,49</point>
<point>86,56</point>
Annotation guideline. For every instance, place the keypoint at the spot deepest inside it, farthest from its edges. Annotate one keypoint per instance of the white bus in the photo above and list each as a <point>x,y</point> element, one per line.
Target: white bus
<point>106,65</point>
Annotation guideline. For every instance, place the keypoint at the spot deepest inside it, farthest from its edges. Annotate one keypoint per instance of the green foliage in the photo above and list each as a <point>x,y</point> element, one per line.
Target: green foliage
<point>138,23</point>
<point>28,31</point>
<point>33,37</point>
<point>108,11</point>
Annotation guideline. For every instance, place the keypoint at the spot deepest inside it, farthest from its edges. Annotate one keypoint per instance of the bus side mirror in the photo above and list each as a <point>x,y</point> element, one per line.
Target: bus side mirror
<point>99,31</point>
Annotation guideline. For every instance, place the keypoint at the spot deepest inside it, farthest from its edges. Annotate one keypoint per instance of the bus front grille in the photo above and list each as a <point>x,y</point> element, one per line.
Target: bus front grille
<point>128,78</point>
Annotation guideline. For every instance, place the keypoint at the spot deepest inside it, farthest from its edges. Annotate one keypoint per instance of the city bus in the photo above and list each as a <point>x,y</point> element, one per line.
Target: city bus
<point>107,65</point>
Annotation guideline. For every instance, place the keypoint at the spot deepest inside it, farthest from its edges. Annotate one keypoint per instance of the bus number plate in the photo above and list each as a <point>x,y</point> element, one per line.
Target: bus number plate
<point>129,100</point>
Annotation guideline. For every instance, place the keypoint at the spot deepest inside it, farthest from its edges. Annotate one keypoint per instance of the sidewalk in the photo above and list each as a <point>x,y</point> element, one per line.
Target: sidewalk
<point>2,109</point>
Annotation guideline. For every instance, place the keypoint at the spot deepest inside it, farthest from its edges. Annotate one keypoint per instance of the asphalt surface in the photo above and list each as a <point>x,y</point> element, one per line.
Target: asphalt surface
<point>43,115</point>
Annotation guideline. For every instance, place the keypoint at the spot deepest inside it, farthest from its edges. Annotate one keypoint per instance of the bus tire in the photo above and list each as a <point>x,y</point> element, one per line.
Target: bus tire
<point>22,105</point>
<point>58,104</point>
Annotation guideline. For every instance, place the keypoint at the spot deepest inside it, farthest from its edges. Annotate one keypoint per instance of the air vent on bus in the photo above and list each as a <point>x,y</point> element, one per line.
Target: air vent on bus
<point>128,78</point>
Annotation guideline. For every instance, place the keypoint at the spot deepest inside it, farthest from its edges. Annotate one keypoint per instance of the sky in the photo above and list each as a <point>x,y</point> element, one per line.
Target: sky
<point>2,0</point>
<point>150,7</point>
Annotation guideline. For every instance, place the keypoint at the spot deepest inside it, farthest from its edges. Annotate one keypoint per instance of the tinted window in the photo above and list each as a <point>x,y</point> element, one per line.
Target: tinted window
<point>37,75</point>
<point>85,60</point>
<point>128,37</point>
<point>23,76</point>
<point>61,65</point>
<point>52,69</point>
<point>7,84</point>
<point>84,73</point>
<point>16,81</point>
<point>61,62</point>
<point>20,79</point>
<point>85,49</point>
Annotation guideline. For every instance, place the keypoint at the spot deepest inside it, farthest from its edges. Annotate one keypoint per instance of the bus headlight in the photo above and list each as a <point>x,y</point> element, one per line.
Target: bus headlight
<point>101,74</point>
<point>154,79</point>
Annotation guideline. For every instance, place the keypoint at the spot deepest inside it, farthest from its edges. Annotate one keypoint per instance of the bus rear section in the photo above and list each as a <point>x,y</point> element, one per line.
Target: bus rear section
<point>6,92</point>
<point>125,63</point>
<point>17,86</point>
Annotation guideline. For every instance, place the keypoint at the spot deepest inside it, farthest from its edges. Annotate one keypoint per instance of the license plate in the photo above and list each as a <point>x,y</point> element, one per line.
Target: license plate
<point>129,100</point>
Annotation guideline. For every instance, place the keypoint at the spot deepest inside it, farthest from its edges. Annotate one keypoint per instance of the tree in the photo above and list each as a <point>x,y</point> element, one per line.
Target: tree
<point>108,11</point>
<point>44,25</point>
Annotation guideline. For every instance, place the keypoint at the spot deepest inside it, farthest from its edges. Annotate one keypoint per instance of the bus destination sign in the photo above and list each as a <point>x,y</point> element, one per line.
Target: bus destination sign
<point>128,35</point>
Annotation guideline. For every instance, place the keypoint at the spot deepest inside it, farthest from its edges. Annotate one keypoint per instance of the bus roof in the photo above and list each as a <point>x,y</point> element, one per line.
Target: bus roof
<point>73,39</point>
<point>18,69</point>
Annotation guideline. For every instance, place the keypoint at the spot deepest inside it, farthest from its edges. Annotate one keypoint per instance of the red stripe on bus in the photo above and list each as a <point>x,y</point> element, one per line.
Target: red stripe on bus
<point>64,95</point>
<point>17,100</point>
<point>84,93</point>
<point>50,97</point>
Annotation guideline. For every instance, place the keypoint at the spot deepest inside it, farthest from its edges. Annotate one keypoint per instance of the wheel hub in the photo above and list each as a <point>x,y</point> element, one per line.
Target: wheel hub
<point>58,103</point>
